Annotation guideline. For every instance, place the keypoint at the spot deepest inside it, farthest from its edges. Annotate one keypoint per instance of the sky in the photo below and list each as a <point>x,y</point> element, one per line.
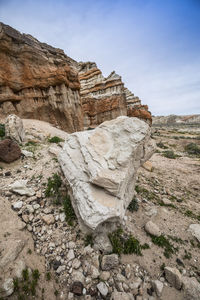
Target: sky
<point>153,44</point>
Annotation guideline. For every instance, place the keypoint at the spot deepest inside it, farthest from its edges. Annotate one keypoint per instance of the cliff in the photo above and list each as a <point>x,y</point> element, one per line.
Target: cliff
<point>106,98</point>
<point>176,120</point>
<point>38,81</point>
<point>41,82</point>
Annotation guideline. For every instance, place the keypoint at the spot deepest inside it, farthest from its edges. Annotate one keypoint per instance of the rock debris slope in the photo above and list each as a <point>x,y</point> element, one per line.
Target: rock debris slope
<point>100,166</point>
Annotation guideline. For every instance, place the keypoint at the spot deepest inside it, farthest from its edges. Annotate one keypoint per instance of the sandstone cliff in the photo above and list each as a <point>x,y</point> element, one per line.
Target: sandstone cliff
<point>106,98</point>
<point>38,81</point>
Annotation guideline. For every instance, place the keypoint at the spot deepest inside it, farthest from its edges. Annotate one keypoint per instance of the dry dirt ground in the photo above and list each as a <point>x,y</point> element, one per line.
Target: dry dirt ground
<point>169,195</point>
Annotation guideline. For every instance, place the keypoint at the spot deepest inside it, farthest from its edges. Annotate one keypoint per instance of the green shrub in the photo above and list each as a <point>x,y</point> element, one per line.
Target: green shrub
<point>192,149</point>
<point>89,240</point>
<point>161,145</point>
<point>163,242</point>
<point>133,205</point>
<point>55,139</point>
<point>69,211</point>
<point>126,244</point>
<point>169,154</point>
<point>2,130</point>
<point>53,188</point>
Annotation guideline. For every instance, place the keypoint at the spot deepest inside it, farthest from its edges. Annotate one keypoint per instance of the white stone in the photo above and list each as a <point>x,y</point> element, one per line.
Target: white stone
<point>103,289</point>
<point>27,153</point>
<point>152,228</point>
<point>17,205</point>
<point>8,287</point>
<point>20,187</point>
<point>60,269</point>
<point>62,217</point>
<point>158,287</point>
<point>14,128</point>
<point>94,272</point>
<point>191,288</point>
<point>173,276</point>
<point>195,230</point>
<point>70,255</point>
<point>101,165</point>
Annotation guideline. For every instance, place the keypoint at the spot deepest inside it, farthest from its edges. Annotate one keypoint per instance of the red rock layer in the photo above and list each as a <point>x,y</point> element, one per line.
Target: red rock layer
<point>38,81</point>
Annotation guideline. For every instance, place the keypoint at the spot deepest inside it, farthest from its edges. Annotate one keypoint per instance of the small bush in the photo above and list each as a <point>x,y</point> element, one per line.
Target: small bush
<point>126,244</point>
<point>2,130</point>
<point>169,154</point>
<point>161,145</point>
<point>133,205</point>
<point>192,149</point>
<point>53,188</point>
<point>163,242</point>
<point>69,211</point>
<point>55,139</point>
<point>89,240</point>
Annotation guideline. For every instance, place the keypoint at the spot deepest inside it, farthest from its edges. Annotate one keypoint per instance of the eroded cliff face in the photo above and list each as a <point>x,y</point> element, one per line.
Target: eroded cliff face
<point>38,81</point>
<point>106,98</point>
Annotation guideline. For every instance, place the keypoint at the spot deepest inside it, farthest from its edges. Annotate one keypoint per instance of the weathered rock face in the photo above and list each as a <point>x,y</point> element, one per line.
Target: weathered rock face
<point>38,81</point>
<point>100,166</point>
<point>104,99</point>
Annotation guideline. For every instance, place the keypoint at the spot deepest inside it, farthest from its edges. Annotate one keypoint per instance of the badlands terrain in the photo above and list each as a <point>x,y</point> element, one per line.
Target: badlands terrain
<point>96,202</point>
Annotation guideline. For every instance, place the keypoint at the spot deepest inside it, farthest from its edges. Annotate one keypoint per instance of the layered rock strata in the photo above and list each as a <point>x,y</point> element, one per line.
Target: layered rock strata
<point>106,98</point>
<point>100,166</point>
<point>38,81</point>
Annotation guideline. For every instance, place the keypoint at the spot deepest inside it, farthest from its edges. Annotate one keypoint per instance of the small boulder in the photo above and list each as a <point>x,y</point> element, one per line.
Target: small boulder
<point>152,228</point>
<point>48,219</point>
<point>148,166</point>
<point>102,243</point>
<point>191,288</point>
<point>77,288</point>
<point>9,151</point>
<point>173,276</point>
<point>20,188</point>
<point>158,287</point>
<point>195,230</point>
<point>103,289</point>
<point>109,262</point>
<point>14,128</point>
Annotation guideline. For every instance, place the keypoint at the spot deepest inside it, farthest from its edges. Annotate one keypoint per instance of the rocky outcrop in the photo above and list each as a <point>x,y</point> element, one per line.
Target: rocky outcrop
<point>38,81</point>
<point>104,99</point>
<point>14,128</point>
<point>100,166</point>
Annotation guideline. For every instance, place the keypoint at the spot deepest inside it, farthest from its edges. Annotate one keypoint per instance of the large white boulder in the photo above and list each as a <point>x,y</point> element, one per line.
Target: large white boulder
<point>100,166</point>
<point>14,128</point>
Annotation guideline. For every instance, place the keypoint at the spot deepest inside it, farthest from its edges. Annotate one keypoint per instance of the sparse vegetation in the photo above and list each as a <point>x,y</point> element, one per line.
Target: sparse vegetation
<point>55,139</point>
<point>193,149</point>
<point>48,276</point>
<point>126,244</point>
<point>2,130</point>
<point>133,205</point>
<point>25,288</point>
<point>163,242</point>
<point>89,240</point>
<point>161,145</point>
<point>53,188</point>
<point>169,154</point>
<point>69,211</point>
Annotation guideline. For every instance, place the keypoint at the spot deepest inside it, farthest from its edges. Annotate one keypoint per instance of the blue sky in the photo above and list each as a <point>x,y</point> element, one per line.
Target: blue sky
<point>153,44</point>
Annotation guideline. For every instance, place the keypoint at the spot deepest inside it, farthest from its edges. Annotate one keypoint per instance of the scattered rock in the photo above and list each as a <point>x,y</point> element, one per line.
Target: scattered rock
<point>7,288</point>
<point>109,262</point>
<point>148,166</point>
<point>27,153</point>
<point>103,289</point>
<point>48,219</point>
<point>17,205</point>
<point>77,288</point>
<point>20,188</point>
<point>102,243</point>
<point>9,151</point>
<point>14,128</point>
<point>70,255</point>
<point>105,275</point>
<point>173,276</point>
<point>152,228</point>
<point>166,201</point>
<point>195,230</point>
<point>121,296</point>
<point>158,287</point>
